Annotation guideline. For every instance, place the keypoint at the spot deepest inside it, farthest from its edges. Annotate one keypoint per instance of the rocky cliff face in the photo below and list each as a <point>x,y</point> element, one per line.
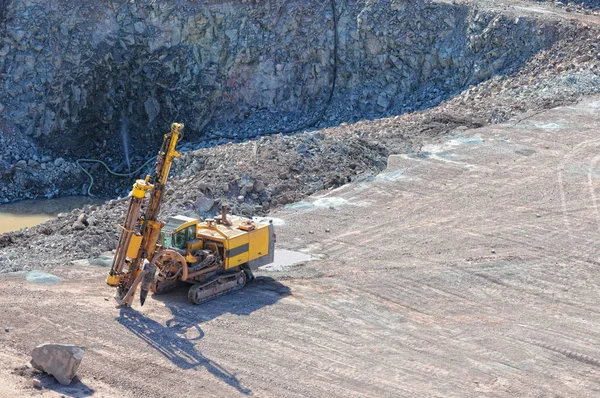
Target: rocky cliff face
<point>105,79</point>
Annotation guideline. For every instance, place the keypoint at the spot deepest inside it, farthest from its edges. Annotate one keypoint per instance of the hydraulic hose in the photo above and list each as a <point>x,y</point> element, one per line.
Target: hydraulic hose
<point>79,161</point>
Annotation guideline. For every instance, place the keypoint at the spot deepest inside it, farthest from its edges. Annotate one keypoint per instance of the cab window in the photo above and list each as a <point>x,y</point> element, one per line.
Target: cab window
<point>181,238</point>
<point>165,238</point>
<point>191,232</point>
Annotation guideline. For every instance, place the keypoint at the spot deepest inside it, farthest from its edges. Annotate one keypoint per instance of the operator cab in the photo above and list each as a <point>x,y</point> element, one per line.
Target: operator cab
<point>178,231</point>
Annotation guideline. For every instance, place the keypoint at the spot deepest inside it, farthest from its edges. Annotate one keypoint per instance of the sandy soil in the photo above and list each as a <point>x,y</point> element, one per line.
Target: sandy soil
<point>466,271</point>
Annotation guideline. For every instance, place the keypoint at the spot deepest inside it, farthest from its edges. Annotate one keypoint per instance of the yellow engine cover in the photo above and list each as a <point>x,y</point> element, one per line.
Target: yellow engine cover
<point>259,242</point>
<point>243,240</point>
<point>237,250</point>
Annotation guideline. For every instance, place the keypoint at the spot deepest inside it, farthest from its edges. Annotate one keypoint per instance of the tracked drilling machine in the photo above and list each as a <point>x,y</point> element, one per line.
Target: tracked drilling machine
<point>216,256</point>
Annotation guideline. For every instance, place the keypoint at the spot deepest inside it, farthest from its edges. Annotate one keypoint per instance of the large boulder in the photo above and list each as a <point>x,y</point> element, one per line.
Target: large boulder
<point>59,360</point>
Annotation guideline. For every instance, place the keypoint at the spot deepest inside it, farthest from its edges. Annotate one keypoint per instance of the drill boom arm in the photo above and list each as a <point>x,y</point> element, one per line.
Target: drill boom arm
<point>140,234</point>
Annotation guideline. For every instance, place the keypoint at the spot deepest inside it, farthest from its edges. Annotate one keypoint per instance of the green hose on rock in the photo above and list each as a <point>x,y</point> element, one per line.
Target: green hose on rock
<point>78,161</point>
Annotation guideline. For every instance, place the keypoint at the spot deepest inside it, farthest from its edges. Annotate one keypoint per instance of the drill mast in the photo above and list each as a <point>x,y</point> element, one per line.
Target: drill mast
<point>140,234</point>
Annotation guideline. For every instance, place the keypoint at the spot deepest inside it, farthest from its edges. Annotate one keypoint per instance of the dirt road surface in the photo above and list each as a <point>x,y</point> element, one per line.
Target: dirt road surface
<point>469,270</point>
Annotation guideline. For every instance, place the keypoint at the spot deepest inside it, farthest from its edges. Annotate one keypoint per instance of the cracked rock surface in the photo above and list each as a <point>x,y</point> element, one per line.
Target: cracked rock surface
<point>59,360</point>
<point>103,80</point>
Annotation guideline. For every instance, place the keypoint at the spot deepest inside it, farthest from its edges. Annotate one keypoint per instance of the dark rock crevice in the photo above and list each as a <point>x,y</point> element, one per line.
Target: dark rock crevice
<point>4,4</point>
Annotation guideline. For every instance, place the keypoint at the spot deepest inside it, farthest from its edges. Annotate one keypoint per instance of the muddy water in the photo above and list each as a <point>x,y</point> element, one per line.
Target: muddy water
<point>27,213</point>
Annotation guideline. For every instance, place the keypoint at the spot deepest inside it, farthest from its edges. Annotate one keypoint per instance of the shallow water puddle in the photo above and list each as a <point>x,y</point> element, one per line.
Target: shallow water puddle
<point>547,126</point>
<point>331,201</point>
<point>302,205</point>
<point>287,258</point>
<point>448,155</point>
<point>28,213</point>
<point>104,260</point>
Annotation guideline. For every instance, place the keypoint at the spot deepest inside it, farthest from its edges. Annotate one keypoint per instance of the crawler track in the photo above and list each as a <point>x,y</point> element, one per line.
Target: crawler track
<point>220,285</point>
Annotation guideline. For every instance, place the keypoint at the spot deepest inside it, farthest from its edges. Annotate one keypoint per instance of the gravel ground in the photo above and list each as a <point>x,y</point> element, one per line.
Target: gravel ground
<point>468,270</point>
<point>484,239</point>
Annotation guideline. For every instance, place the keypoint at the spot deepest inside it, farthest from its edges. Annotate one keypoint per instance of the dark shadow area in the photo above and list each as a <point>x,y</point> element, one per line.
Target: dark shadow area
<point>3,10</point>
<point>172,341</point>
<point>172,345</point>
<point>261,292</point>
<point>77,388</point>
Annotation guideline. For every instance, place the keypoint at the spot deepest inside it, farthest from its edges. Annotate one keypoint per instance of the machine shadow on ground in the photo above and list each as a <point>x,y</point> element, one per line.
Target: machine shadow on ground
<point>176,340</point>
<point>263,291</point>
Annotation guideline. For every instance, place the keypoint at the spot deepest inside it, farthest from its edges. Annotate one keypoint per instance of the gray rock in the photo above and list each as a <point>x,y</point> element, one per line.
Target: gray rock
<point>59,360</point>
<point>583,58</point>
<point>21,164</point>
<point>203,204</point>
<point>59,162</point>
<point>302,149</point>
<point>84,245</point>
<point>140,27</point>
<point>78,226</point>
<point>259,186</point>
<point>196,166</point>
<point>152,108</point>
<point>245,181</point>
<point>383,101</point>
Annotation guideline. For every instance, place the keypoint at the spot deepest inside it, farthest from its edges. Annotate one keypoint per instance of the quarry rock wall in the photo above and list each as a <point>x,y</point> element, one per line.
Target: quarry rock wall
<point>105,78</point>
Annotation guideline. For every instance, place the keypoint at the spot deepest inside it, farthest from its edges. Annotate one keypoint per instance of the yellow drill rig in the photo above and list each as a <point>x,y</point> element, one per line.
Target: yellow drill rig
<point>216,256</point>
